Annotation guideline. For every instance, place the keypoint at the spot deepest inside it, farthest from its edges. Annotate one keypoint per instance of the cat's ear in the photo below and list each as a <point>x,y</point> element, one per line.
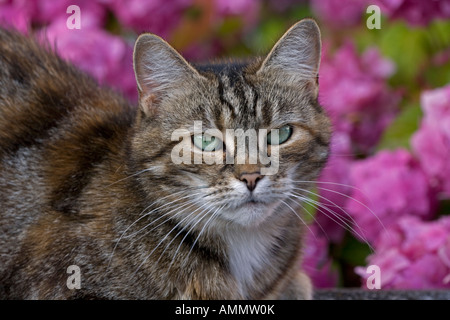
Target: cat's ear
<point>297,54</point>
<point>160,71</point>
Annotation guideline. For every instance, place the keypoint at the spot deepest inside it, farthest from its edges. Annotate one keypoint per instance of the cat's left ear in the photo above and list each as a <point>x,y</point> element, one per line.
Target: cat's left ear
<point>160,71</point>
<point>296,56</point>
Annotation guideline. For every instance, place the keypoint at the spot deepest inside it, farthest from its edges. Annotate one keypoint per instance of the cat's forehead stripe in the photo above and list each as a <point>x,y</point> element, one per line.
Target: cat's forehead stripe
<point>224,101</point>
<point>241,98</point>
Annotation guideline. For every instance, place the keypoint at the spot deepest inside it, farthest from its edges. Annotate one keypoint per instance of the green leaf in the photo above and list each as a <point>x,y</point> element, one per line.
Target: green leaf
<point>438,76</point>
<point>354,252</point>
<point>266,35</point>
<point>399,133</point>
<point>408,48</point>
<point>310,207</point>
<point>444,207</point>
<point>439,35</point>
<point>230,26</point>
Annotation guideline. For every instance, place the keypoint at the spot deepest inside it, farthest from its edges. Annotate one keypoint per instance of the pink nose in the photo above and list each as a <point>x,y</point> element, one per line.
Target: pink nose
<point>251,179</point>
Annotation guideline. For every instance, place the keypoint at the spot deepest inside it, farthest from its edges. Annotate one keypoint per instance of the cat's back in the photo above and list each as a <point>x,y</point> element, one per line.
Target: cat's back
<point>55,124</point>
<point>40,92</point>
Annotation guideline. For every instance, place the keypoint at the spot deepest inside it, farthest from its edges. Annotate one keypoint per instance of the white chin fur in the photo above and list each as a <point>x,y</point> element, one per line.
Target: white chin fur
<point>246,213</point>
<point>250,214</point>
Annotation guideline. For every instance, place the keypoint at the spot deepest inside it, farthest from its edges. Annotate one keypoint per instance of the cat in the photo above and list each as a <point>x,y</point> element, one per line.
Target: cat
<point>88,181</point>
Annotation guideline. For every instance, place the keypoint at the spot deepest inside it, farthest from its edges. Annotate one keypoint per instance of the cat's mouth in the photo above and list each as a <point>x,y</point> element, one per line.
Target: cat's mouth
<point>251,201</point>
<point>248,203</point>
<point>250,211</point>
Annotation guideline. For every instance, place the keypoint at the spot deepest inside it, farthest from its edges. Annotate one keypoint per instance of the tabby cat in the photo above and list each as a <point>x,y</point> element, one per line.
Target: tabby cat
<point>88,180</point>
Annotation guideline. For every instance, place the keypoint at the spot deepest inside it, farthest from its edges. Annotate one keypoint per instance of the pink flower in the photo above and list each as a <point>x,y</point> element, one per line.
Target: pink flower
<point>353,90</point>
<point>92,12</point>
<point>106,57</point>
<point>431,143</point>
<point>21,14</point>
<point>284,5</point>
<point>156,16</point>
<point>203,51</point>
<point>16,13</point>
<point>247,9</point>
<point>416,12</point>
<point>235,7</point>
<point>316,262</point>
<point>340,13</point>
<point>413,254</point>
<point>389,185</point>
<point>334,188</point>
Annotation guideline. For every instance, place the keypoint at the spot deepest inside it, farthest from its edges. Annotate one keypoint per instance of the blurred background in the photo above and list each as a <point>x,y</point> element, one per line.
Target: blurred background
<point>384,198</point>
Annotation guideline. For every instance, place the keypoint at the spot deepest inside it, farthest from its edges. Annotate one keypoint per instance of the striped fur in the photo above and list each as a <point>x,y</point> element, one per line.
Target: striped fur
<point>87,180</point>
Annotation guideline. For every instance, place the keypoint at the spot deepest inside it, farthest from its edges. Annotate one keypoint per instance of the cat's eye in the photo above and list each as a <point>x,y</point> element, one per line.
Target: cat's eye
<point>284,133</point>
<point>207,143</point>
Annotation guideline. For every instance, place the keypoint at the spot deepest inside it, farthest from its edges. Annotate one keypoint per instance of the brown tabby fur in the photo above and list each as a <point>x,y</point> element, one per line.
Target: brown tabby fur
<point>73,190</point>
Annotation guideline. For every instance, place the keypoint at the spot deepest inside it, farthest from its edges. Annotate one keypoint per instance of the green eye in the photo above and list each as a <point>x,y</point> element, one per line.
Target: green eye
<point>207,143</point>
<point>284,133</point>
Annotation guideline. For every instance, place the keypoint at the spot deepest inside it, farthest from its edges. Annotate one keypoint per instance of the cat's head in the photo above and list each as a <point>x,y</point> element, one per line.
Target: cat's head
<point>189,115</point>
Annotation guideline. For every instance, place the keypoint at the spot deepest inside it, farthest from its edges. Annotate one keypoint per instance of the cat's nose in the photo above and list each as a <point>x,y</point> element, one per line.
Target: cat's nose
<point>251,179</point>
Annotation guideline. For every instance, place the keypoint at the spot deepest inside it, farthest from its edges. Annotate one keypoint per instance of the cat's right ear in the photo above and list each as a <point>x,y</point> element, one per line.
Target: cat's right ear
<point>160,71</point>
<point>296,56</point>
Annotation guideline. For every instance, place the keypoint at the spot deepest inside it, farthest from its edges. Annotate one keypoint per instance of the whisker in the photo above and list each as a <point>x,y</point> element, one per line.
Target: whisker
<point>344,195</point>
<point>209,205</point>
<point>165,237</point>
<point>203,214</point>
<point>303,221</point>
<point>189,204</point>
<point>333,204</point>
<point>157,208</point>
<point>159,243</point>
<point>167,213</point>
<point>312,216</point>
<point>203,229</point>
<point>130,176</point>
<point>145,215</point>
<point>141,217</point>
<point>343,223</point>
<point>328,182</point>
<point>359,202</point>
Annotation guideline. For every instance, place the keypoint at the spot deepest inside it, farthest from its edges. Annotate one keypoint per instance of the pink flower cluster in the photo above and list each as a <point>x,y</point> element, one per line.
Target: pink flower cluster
<point>353,90</point>
<point>413,254</point>
<point>348,13</point>
<point>387,186</point>
<point>247,8</point>
<point>334,186</point>
<point>316,261</point>
<point>402,190</point>
<point>154,16</point>
<point>377,197</point>
<point>102,54</point>
<point>431,143</point>
<point>106,57</point>
<point>340,13</point>
<point>24,14</point>
<point>416,12</point>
